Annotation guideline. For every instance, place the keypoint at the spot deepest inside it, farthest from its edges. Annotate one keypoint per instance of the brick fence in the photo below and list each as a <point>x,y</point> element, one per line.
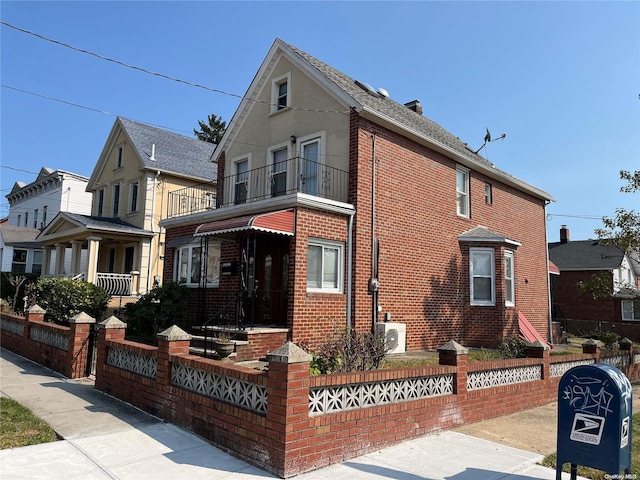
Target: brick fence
<point>62,349</point>
<point>287,422</point>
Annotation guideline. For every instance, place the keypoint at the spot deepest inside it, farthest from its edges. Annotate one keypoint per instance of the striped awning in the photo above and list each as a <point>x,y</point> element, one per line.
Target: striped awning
<point>281,222</point>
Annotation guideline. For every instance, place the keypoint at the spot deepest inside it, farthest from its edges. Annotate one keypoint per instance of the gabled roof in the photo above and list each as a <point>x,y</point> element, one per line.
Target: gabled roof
<point>24,236</point>
<point>584,255</point>
<point>93,224</point>
<point>386,111</point>
<point>174,154</point>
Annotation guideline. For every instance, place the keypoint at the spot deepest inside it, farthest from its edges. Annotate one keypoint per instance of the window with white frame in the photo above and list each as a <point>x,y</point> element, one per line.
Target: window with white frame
<point>325,266</point>
<point>100,194</point>
<point>36,266</point>
<point>631,310</point>
<point>279,172</point>
<point>190,266</point>
<point>462,191</point>
<point>116,200</point>
<point>19,263</point>
<point>482,271</point>
<point>133,196</point>
<point>309,168</point>
<point>241,187</point>
<point>119,153</point>
<point>509,279</point>
<point>281,92</point>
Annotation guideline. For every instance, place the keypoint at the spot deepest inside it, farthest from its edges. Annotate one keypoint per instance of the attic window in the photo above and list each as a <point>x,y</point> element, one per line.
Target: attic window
<point>281,92</point>
<point>119,151</point>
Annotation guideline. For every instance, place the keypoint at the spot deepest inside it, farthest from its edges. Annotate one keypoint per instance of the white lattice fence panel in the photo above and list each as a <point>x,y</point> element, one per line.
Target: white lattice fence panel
<point>50,337</point>
<point>636,358</point>
<point>503,376</point>
<point>340,398</point>
<point>132,362</point>
<point>559,369</point>
<point>616,360</point>
<point>237,392</point>
<point>11,326</point>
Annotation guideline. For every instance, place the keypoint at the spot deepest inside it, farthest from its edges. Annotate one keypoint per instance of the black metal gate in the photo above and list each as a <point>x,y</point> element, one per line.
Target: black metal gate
<point>92,351</point>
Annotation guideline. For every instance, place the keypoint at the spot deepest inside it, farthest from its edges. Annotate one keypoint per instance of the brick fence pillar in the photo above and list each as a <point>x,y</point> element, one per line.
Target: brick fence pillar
<point>35,314</point>
<point>591,346</point>
<point>540,350</point>
<point>452,353</point>
<point>288,408</point>
<point>172,341</point>
<point>77,354</point>
<point>110,329</point>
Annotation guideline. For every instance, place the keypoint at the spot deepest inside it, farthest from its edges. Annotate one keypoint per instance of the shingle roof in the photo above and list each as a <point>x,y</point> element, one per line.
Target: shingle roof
<point>404,116</point>
<point>12,235</point>
<point>584,255</point>
<point>104,223</point>
<point>173,153</point>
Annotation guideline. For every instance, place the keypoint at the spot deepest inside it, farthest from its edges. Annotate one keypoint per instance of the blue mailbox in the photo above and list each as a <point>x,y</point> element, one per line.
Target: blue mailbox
<point>594,419</point>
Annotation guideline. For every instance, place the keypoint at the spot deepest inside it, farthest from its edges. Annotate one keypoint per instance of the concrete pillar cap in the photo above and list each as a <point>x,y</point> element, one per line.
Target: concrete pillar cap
<point>592,342</point>
<point>173,334</point>
<point>453,347</point>
<point>289,353</point>
<point>112,322</point>
<point>538,345</point>
<point>37,309</point>
<point>82,317</point>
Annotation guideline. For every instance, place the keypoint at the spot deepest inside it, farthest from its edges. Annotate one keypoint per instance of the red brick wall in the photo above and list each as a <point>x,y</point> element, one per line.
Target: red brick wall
<point>423,276</point>
<point>577,305</point>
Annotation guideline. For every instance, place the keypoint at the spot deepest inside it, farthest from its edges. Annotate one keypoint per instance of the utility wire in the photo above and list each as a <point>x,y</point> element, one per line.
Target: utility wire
<point>157,74</point>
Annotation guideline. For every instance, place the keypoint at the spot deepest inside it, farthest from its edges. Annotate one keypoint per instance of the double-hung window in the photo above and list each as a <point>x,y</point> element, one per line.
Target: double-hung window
<point>26,219</point>
<point>100,202</point>
<point>241,187</point>
<point>133,196</point>
<point>35,218</point>
<point>279,173</point>
<point>325,266</point>
<point>281,92</point>
<point>509,280</point>
<point>119,154</point>
<point>19,264</point>
<point>192,266</point>
<point>36,266</point>
<point>116,200</point>
<point>44,216</point>
<point>631,310</point>
<point>462,191</point>
<point>482,273</point>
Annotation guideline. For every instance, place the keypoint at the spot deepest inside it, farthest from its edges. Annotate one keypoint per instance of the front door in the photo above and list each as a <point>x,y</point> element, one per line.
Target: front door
<point>272,275</point>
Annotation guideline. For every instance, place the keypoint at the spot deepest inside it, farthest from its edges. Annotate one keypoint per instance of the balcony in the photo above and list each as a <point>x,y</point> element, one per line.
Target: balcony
<point>295,175</point>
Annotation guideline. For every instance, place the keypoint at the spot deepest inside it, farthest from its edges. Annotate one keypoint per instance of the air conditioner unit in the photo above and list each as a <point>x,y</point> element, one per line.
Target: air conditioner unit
<point>395,334</point>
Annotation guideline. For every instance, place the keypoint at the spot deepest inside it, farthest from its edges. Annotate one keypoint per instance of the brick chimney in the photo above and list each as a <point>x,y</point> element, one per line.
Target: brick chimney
<point>564,234</point>
<point>415,106</point>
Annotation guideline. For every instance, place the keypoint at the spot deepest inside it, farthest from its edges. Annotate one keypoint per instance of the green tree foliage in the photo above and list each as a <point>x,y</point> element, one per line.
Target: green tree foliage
<point>212,131</point>
<point>157,310</point>
<point>621,231</point>
<point>64,298</point>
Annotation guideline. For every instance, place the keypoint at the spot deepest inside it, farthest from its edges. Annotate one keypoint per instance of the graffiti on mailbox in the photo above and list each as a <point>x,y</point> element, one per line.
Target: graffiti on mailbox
<point>591,402</point>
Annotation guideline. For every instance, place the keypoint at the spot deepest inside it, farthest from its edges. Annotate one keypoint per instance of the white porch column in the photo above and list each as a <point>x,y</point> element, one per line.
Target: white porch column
<point>145,252</point>
<point>60,250</point>
<point>46,262</point>
<point>76,250</point>
<point>92,258</point>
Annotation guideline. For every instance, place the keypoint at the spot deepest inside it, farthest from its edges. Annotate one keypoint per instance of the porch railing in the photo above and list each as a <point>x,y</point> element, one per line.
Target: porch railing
<point>295,175</point>
<point>115,283</point>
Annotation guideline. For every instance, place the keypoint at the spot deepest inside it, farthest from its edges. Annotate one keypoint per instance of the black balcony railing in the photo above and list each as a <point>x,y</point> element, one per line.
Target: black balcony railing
<point>295,175</point>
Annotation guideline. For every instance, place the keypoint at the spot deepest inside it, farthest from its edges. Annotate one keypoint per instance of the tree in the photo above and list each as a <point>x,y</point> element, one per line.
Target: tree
<point>213,131</point>
<point>621,231</point>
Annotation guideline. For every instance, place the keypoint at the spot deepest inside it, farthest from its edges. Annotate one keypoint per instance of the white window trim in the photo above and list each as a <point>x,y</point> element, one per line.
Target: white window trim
<point>135,256</point>
<point>98,212</point>
<point>270,151</point>
<point>275,84</point>
<point>512,302</point>
<point>129,203</point>
<point>180,251</point>
<point>487,303</point>
<point>319,242</point>
<point>632,311</point>
<point>119,156</point>
<point>234,161</point>
<point>467,194</point>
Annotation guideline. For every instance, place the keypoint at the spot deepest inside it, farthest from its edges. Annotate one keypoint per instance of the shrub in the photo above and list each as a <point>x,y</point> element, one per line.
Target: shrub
<point>609,339</point>
<point>345,351</point>
<point>64,298</point>
<point>159,309</point>
<point>513,347</point>
<point>13,292</point>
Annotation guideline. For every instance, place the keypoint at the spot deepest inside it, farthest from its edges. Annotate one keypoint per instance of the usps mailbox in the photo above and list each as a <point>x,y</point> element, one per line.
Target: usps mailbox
<point>594,419</point>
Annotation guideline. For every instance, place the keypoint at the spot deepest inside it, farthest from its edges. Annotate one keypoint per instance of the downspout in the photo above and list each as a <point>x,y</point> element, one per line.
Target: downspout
<point>153,213</point>
<point>373,281</point>
<point>546,249</point>
<point>349,269</point>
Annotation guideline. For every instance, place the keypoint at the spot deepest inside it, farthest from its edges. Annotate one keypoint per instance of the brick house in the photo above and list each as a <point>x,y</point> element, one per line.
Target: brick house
<point>338,206</point>
<point>578,261</point>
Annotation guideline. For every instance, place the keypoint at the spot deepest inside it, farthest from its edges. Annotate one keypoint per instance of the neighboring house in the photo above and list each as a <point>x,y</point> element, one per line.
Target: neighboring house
<point>138,165</point>
<point>34,205</point>
<point>578,261</point>
<point>19,250</point>
<point>338,206</point>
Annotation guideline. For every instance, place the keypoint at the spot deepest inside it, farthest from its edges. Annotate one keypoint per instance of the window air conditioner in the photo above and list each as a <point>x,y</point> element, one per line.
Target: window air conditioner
<point>395,334</point>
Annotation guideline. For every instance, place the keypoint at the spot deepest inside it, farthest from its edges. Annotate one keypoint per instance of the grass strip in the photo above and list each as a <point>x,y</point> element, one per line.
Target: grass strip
<point>19,427</point>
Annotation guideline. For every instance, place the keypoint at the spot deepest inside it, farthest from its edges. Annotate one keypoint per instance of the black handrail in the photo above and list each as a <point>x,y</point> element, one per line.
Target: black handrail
<point>219,315</point>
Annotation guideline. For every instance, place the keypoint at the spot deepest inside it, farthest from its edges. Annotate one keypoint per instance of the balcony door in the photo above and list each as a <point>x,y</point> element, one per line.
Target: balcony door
<point>279,173</point>
<point>309,167</point>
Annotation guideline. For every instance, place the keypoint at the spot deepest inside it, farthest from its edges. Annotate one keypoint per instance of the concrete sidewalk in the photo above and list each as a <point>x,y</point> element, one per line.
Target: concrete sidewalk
<point>105,438</point>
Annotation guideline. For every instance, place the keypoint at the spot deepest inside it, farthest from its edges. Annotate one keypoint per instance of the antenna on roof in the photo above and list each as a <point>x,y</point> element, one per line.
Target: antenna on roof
<point>488,139</point>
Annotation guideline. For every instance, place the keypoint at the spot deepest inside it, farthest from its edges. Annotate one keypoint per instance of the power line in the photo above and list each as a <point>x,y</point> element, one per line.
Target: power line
<point>157,74</point>
<point>18,169</point>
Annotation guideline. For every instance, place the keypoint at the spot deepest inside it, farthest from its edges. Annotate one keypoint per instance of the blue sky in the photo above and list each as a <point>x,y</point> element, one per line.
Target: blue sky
<point>561,79</point>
